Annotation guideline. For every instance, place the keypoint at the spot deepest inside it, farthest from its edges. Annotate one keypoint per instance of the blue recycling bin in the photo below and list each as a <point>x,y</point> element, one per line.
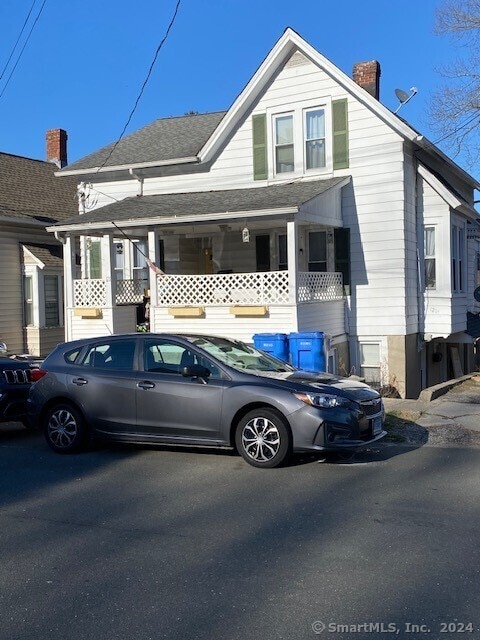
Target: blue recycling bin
<point>307,351</point>
<point>274,343</point>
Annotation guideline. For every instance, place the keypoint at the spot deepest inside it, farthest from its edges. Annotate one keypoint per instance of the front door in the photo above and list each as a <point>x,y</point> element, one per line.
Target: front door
<point>262,251</point>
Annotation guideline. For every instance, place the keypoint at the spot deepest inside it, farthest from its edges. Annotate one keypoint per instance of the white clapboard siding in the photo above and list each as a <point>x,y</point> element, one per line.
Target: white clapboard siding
<point>327,317</point>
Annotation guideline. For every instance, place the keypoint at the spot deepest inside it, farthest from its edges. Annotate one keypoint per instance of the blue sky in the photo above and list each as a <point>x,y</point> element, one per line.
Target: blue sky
<point>86,60</point>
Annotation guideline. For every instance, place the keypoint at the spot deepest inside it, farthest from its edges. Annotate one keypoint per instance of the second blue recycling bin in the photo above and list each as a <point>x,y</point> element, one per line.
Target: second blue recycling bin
<point>274,343</point>
<point>307,351</point>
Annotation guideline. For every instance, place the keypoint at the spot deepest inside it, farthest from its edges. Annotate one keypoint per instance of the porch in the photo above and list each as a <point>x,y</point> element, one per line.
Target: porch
<point>234,304</point>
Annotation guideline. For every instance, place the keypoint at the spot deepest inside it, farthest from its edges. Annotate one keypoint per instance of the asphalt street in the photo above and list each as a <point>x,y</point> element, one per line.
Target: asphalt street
<point>127,543</point>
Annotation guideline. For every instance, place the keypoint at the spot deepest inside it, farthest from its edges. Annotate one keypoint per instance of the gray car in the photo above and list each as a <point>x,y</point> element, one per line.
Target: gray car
<point>198,390</point>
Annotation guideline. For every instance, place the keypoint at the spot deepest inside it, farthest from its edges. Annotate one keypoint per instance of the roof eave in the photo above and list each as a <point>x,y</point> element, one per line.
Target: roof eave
<point>175,220</point>
<point>126,167</point>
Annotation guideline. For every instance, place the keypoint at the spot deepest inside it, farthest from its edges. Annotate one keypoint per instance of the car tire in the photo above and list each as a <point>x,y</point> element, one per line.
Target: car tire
<point>65,429</point>
<point>263,438</point>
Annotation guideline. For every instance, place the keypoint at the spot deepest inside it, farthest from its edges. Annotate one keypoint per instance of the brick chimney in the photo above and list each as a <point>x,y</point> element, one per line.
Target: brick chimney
<point>367,75</point>
<point>57,147</point>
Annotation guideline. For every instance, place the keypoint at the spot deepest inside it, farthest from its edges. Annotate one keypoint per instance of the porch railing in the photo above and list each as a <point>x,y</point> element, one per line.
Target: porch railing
<point>130,291</point>
<point>270,287</point>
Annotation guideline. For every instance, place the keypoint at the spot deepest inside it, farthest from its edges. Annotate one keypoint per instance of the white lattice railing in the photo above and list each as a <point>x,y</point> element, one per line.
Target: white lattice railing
<point>130,291</point>
<point>266,288</point>
<point>269,287</point>
<point>89,293</point>
<point>317,286</point>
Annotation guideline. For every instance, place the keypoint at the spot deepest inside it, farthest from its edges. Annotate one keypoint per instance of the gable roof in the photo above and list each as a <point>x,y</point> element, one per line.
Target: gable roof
<point>30,193</point>
<point>45,255</point>
<point>166,140</point>
<point>198,138</point>
<point>206,206</point>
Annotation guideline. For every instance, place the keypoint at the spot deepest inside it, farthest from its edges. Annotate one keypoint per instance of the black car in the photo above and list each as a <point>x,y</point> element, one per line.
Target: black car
<point>198,390</point>
<point>15,383</point>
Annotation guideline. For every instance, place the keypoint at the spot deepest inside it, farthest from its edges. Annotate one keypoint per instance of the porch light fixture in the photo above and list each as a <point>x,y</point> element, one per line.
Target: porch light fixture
<point>245,234</point>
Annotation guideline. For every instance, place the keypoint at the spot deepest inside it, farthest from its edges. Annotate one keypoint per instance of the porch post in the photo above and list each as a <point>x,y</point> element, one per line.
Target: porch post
<point>154,256</point>
<point>69,274</point>
<point>292,257</point>
<point>108,270</point>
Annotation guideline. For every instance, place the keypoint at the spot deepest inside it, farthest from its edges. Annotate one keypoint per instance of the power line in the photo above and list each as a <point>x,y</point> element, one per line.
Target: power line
<point>147,78</point>
<point>23,48</point>
<point>18,39</point>
<point>459,128</point>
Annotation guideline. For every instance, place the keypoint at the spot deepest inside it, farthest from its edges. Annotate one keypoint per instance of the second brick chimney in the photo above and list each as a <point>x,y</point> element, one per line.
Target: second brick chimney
<point>57,147</point>
<point>367,75</point>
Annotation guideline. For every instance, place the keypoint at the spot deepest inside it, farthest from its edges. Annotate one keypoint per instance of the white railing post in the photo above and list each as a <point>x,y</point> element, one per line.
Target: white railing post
<point>154,256</point>
<point>292,258</point>
<point>108,269</point>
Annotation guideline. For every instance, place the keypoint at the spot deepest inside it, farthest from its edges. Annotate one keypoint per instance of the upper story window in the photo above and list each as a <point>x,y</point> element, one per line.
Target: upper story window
<point>284,150</point>
<point>430,258</point>
<point>458,258</point>
<point>315,156</point>
<point>300,138</point>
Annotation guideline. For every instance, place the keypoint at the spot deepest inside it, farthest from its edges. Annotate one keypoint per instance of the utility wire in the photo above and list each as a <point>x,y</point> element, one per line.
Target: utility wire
<point>147,78</point>
<point>459,128</point>
<point>18,39</point>
<point>23,48</point>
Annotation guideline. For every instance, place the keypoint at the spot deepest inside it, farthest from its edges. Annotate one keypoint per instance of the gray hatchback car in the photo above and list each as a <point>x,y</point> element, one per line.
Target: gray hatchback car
<point>198,390</point>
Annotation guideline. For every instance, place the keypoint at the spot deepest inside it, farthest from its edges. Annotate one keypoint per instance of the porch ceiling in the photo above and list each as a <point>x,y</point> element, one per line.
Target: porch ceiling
<point>203,207</point>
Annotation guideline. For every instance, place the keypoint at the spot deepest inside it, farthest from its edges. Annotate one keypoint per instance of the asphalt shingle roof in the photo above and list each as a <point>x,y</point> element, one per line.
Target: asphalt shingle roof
<point>51,255</point>
<point>162,140</point>
<point>29,190</point>
<point>205,203</point>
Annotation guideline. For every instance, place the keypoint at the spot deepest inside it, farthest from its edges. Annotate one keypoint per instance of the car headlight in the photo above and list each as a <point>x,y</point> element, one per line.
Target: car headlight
<point>322,400</point>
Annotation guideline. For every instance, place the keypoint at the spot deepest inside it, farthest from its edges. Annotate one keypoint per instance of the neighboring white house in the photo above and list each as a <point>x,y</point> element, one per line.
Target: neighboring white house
<point>307,206</point>
<point>31,265</point>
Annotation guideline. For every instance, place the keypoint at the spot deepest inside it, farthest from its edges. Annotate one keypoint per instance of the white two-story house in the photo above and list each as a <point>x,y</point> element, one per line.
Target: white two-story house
<point>307,206</point>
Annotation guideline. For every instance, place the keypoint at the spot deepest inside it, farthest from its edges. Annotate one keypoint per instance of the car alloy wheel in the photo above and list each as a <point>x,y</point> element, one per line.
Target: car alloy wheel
<point>263,438</point>
<point>65,429</point>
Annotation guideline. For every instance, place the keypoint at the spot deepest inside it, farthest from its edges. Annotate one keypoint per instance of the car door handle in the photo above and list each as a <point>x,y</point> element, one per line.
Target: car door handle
<point>79,381</point>
<point>145,385</point>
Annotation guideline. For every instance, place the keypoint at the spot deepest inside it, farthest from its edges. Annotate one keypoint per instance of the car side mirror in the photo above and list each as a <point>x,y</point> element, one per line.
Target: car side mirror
<point>195,371</point>
<point>3,347</point>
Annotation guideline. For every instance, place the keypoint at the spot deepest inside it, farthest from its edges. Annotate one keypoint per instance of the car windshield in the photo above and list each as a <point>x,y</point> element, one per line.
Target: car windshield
<point>239,355</point>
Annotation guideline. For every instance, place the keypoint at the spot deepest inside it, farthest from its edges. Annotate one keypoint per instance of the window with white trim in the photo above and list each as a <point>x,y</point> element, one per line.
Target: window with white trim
<point>314,128</point>
<point>284,150</point>
<point>317,251</point>
<point>28,300</point>
<point>430,258</point>
<point>370,362</point>
<point>52,300</point>
<point>458,258</point>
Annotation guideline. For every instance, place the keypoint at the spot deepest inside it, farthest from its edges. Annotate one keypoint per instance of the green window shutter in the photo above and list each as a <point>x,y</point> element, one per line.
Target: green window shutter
<point>340,134</point>
<point>342,255</point>
<point>95,260</point>
<point>259,135</point>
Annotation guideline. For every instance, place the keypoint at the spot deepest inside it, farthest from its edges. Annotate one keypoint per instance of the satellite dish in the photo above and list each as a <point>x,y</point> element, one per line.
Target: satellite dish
<point>401,95</point>
<point>476,294</point>
<point>404,97</point>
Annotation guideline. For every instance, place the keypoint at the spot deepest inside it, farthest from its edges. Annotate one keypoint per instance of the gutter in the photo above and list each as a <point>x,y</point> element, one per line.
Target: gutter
<point>126,167</point>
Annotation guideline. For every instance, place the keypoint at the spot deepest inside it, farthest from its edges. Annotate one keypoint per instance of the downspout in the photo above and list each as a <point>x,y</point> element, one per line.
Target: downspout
<point>140,181</point>
<point>60,236</point>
